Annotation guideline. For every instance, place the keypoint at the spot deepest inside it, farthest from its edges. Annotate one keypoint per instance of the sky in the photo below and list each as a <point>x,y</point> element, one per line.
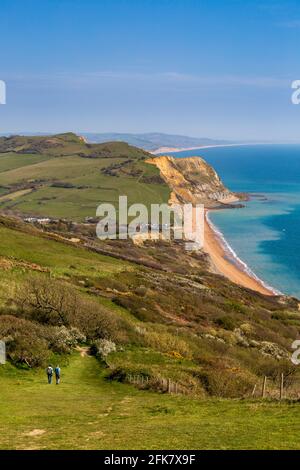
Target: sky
<point>220,69</point>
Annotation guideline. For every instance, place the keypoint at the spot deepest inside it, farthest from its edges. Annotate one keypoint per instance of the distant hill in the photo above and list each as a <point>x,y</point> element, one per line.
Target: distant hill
<point>150,141</point>
<point>65,144</point>
<point>154,140</point>
<point>62,176</point>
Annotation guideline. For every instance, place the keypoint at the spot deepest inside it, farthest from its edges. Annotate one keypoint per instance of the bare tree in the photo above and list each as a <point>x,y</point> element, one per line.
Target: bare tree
<point>48,301</point>
<point>53,302</point>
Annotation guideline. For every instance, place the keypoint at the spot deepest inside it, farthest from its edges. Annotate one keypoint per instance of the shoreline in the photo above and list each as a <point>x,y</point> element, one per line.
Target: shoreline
<point>161,150</point>
<point>237,272</point>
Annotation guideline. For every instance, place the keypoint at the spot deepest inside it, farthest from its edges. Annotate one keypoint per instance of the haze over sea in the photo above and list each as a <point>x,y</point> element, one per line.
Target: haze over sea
<point>266,233</point>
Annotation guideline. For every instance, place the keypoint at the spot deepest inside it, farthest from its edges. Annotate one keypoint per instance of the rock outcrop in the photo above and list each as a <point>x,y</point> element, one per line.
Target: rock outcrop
<point>193,180</point>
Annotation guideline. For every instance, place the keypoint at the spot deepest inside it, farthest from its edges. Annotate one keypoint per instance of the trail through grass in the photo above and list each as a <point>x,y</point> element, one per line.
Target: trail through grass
<point>88,412</point>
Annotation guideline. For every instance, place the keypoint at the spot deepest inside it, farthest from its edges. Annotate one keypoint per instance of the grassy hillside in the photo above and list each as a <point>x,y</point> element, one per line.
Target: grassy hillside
<point>67,144</point>
<point>166,314</point>
<point>88,412</point>
<point>149,315</point>
<point>67,178</point>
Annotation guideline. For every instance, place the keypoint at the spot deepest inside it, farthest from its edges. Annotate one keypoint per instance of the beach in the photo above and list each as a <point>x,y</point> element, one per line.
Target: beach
<point>224,266</point>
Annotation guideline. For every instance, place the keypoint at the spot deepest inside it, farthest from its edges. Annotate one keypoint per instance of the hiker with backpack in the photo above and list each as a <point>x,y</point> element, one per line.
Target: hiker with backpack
<point>49,372</point>
<point>57,375</point>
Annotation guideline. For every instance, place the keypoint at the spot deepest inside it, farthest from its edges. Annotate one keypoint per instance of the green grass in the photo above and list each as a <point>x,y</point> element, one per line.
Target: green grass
<point>88,412</point>
<point>67,160</point>
<point>91,187</point>
<point>76,204</point>
<point>59,258</point>
<point>60,168</point>
<point>12,161</point>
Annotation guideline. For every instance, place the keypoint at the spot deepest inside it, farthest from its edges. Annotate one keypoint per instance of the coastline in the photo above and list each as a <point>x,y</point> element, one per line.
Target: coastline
<point>176,150</point>
<point>236,272</point>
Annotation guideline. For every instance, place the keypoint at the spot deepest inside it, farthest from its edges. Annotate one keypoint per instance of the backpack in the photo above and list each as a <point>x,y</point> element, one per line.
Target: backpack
<point>49,370</point>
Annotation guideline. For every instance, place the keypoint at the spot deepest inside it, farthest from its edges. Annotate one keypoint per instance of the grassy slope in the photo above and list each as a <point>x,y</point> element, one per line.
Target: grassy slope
<point>59,258</point>
<point>11,161</point>
<point>88,412</point>
<point>66,163</point>
<point>172,310</point>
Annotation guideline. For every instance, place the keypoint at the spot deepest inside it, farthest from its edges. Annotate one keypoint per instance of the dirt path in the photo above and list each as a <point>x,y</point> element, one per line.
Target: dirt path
<point>15,195</point>
<point>84,351</point>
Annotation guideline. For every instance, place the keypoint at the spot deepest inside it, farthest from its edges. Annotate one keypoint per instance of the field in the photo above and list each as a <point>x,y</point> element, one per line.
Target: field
<point>88,412</point>
<point>58,258</point>
<point>69,181</point>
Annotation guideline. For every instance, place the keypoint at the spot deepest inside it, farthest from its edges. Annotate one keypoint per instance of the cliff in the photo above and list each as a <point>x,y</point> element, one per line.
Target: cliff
<point>193,180</point>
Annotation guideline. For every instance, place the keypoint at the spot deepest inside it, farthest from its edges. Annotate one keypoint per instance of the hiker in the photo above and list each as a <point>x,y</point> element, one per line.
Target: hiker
<point>49,372</point>
<point>57,374</point>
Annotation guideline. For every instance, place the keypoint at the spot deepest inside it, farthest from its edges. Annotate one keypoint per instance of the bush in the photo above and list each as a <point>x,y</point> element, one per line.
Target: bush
<point>61,340</point>
<point>55,303</point>
<point>141,291</point>
<point>233,306</point>
<point>166,343</point>
<point>103,347</point>
<point>25,341</point>
<point>47,301</point>
<point>32,343</point>
<point>226,380</point>
<point>226,322</point>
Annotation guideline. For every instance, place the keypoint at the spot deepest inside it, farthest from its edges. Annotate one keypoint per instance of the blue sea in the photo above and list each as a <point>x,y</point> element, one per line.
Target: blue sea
<point>265,234</point>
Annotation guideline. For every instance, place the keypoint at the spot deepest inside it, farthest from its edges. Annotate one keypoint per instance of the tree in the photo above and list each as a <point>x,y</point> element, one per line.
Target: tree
<point>48,301</point>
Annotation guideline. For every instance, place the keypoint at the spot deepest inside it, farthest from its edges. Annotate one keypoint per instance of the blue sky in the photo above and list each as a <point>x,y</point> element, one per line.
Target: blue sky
<point>218,69</point>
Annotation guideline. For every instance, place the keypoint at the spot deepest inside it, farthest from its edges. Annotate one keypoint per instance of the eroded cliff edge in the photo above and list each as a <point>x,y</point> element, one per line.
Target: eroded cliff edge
<point>193,180</point>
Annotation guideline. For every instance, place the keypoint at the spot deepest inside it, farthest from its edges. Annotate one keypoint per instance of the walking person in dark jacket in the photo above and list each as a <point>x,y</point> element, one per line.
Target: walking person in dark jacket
<point>49,372</point>
<point>57,375</point>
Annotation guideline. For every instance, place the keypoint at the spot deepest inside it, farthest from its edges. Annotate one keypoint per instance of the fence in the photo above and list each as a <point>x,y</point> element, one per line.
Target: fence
<point>165,385</point>
<point>284,387</point>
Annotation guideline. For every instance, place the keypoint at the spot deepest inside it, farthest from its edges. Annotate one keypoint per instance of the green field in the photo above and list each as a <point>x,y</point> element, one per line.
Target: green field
<point>11,161</point>
<point>68,180</point>
<point>88,412</point>
<point>59,258</point>
<point>90,188</point>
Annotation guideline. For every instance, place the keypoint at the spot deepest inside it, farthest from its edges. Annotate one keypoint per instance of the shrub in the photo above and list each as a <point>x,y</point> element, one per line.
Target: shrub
<point>226,380</point>
<point>272,368</point>
<point>55,303</point>
<point>117,374</point>
<point>246,328</point>
<point>103,347</point>
<point>48,301</point>
<point>141,291</point>
<point>226,322</point>
<point>166,343</point>
<point>234,306</point>
<point>25,341</point>
<point>61,339</point>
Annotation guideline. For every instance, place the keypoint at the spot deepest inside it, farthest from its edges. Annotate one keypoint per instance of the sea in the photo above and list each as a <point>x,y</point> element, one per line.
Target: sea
<point>264,236</point>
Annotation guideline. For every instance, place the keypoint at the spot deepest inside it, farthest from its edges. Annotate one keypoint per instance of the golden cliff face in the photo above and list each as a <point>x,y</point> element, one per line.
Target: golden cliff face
<point>193,180</point>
